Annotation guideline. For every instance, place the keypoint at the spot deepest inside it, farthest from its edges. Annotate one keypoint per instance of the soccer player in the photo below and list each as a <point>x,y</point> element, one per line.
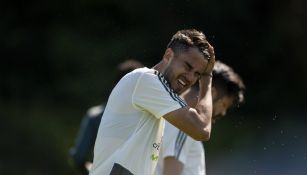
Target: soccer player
<point>181,154</point>
<point>131,129</point>
<point>82,151</point>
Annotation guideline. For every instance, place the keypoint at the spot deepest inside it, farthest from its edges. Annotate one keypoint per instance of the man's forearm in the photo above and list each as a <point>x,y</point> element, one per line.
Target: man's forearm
<point>204,105</point>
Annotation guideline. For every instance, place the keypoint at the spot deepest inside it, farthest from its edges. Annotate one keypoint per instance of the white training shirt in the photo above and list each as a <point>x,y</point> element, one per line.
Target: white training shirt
<point>131,129</point>
<point>185,149</point>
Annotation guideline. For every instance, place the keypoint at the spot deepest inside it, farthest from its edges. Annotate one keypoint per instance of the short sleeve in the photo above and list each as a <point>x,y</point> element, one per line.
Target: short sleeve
<point>175,144</point>
<point>153,95</point>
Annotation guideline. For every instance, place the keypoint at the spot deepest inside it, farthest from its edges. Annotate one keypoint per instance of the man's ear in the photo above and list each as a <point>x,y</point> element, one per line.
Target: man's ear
<point>168,55</point>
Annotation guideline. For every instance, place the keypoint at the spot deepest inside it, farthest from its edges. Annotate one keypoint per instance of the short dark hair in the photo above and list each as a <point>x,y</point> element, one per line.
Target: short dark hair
<point>228,82</point>
<point>185,39</point>
<point>127,66</point>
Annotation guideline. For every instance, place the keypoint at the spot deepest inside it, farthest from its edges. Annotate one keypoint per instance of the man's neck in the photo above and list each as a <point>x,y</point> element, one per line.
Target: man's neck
<point>159,67</point>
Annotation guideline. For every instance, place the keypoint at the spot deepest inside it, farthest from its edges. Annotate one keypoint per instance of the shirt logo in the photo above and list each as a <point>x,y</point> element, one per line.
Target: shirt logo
<point>156,146</point>
<point>154,157</point>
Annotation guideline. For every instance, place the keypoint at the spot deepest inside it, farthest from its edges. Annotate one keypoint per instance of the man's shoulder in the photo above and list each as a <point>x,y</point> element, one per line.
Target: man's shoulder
<point>143,70</point>
<point>145,74</point>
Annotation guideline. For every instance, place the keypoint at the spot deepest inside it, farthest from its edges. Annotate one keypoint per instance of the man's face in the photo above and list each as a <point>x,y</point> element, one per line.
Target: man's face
<point>184,69</point>
<point>220,106</point>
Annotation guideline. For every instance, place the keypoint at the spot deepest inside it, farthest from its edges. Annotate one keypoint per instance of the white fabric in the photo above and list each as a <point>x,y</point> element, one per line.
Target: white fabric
<point>185,149</point>
<point>130,132</point>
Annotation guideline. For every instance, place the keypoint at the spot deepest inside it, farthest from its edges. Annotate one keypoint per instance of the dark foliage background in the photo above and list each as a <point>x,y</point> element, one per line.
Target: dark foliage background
<point>58,58</point>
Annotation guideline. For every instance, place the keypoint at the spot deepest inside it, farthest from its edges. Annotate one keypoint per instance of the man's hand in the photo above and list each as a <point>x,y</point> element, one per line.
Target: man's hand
<point>88,165</point>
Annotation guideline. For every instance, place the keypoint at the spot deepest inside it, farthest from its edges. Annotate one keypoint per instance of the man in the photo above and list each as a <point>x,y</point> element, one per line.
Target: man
<point>130,132</point>
<point>81,152</point>
<point>182,155</point>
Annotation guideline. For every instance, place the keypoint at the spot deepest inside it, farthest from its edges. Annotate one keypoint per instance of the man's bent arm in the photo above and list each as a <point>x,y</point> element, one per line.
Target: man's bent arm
<point>196,122</point>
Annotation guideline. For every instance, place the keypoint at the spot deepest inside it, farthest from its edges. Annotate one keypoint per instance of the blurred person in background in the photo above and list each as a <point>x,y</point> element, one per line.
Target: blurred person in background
<point>81,154</point>
<point>181,154</point>
<point>131,129</point>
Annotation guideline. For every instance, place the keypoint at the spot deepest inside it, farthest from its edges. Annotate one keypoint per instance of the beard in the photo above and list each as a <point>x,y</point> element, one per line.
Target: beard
<point>172,80</point>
